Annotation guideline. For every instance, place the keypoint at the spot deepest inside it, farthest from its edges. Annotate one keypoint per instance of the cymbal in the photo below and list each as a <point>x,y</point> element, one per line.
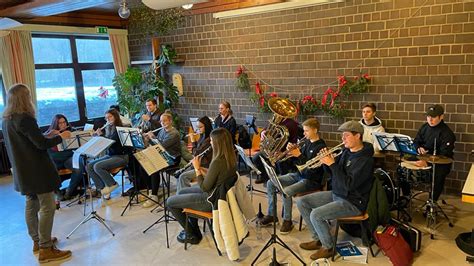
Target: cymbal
<point>436,159</point>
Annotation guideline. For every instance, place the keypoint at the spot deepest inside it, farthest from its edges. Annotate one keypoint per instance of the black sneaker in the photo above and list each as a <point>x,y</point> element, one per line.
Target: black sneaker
<point>286,227</point>
<point>268,220</point>
<point>192,239</point>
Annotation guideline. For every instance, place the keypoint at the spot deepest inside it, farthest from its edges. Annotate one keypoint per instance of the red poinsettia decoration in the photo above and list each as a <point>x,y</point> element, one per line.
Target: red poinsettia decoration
<point>273,94</point>
<point>103,93</point>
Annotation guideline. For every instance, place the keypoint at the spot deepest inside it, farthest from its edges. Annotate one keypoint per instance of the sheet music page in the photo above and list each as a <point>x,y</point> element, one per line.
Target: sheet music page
<point>384,138</point>
<point>95,146</point>
<point>88,127</point>
<point>151,160</point>
<point>124,135</point>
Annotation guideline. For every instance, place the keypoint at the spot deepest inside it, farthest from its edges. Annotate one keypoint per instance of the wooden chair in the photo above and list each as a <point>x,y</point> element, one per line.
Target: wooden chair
<point>207,216</point>
<point>363,221</point>
<point>255,144</point>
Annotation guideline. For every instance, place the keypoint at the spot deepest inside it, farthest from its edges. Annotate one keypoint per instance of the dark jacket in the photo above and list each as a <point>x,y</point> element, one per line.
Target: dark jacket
<point>154,121</point>
<point>116,148</point>
<point>199,147</point>
<point>217,174</point>
<point>352,176</point>
<point>444,139</point>
<point>308,151</point>
<point>33,170</point>
<point>377,207</point>
<point>228,123</point>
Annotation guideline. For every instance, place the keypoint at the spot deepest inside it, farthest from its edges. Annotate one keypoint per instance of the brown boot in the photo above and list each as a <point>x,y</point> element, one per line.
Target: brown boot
<point>286,227</point>
<point>322,253</point>
<point>268,220</point>
<point>52,254</point>
<point>36,246</point>
<point>311,245</point>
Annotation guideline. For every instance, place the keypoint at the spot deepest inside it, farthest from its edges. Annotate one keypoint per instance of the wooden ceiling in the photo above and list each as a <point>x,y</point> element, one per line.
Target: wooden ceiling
<point>98,12</point>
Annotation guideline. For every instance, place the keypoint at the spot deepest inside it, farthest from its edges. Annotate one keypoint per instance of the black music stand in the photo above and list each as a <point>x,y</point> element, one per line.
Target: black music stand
<point>274,237</point>
<point>253,169</point>
<point>165,174</point>
<point>92,149</point>
<point>132,138</point>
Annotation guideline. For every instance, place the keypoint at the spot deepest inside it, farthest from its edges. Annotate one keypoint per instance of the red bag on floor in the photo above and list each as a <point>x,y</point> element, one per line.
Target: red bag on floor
<point>391,242</point>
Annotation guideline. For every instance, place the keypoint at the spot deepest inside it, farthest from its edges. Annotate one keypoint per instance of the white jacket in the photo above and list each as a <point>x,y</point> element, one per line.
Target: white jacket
<point>230,220</point>
<point>368,130</point>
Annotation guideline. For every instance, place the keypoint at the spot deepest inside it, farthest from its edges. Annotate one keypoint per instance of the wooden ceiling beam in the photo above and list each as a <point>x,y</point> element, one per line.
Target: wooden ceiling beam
<point>43,8</point>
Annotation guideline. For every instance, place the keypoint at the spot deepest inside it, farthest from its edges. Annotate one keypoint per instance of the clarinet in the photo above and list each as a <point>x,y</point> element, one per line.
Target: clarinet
<point>180,171</point>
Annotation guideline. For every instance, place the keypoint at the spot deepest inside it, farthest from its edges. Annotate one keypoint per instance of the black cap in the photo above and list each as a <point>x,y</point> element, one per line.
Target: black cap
<point>435,110</point>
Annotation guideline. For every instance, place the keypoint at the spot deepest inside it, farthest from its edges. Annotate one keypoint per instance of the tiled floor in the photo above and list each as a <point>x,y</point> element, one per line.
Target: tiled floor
<point>92,244</point>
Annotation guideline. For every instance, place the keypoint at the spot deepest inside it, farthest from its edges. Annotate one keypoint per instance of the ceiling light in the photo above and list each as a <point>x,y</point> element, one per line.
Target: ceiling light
<point>187,6</point>
<point>124,11</point>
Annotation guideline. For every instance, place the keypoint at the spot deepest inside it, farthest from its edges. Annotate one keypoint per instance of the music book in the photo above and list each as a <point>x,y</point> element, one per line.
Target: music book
<point>351,252</point>
<point>151,159</point>
<point>194,123</point>
<point>395,142</point>
<point>93,148</point>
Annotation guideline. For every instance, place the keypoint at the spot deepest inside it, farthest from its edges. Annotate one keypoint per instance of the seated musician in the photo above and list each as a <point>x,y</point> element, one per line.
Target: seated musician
<point>98,169</point>
<point>125,121</point>
<point>63,159</point>
<point>371,124</point>
<point>351,179</point>
<point>221,170</point>
<point>150,120</point>
<point>226,120</point>
<point>169,138</point>
<point>293,183</point>
<point>283,167</point>
<point>436,130</point>
<point>199,146</point>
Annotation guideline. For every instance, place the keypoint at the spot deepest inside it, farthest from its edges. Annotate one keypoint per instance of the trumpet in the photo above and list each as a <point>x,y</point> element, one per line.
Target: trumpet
<point>285,155</point>
<point>180,171</point>
<point>316,161</point>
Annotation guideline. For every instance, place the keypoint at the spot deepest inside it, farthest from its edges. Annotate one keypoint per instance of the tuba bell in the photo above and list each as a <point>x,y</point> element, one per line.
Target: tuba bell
<point>276,136</point>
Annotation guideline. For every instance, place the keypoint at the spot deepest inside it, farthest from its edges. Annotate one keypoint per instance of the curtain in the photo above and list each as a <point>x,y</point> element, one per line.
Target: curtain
<point>17,63</point>
<point>120,52</point>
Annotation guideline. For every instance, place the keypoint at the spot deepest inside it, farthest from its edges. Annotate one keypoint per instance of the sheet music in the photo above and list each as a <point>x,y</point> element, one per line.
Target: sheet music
<point>194,124</point>
<point>468,188</point>
<point>247,159</point>
<point>88,127</point>
<point>74,141</point>
<point>124,134</point>
<point>386,140</point>
<point>273,176</point>
<point>92,149</point>
<point>151,159</point>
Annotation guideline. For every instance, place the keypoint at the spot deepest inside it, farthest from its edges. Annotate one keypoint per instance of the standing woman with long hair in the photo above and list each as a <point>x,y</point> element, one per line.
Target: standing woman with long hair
<point>221,170</point>
<point>34,173</point>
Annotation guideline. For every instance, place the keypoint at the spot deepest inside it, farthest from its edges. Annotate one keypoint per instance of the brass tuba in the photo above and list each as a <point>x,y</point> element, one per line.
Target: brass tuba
<point>276,135</point>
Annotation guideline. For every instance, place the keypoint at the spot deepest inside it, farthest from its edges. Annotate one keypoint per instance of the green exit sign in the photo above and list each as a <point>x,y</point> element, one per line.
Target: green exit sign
<point>100,29</point>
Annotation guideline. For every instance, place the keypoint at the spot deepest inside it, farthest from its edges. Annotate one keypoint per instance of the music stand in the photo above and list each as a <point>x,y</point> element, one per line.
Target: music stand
<point>165,184</point>
<point>274,237</point>
<point>253,169</point>
<point>131,137</point>
<point>92,149</point>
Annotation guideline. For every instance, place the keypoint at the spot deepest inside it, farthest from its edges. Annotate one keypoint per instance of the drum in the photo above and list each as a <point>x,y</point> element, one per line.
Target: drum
<point>389,187</point>
<point>414,174</point>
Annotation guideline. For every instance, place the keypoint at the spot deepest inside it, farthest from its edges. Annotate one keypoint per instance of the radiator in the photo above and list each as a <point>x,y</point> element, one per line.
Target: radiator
<point>4,162</point>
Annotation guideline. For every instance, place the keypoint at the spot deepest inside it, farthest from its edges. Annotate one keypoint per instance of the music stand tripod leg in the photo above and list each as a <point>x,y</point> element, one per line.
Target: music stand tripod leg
<point>275,239</point>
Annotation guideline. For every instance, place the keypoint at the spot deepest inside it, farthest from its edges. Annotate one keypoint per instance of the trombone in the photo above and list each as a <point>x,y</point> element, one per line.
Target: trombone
<point>316,161</point>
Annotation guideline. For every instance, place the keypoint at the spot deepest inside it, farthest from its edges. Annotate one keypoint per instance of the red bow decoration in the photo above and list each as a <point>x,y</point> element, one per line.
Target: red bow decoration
<point>103,93</point>
<point>334,95</point>
<point>257,88</point>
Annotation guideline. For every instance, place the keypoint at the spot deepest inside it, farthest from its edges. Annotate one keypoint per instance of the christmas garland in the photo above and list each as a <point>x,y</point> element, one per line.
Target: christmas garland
<point>332,102</point>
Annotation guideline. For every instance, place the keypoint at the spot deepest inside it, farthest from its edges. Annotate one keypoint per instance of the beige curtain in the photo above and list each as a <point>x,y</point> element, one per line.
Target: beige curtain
<point>16,59</point>
<point>120,52</point>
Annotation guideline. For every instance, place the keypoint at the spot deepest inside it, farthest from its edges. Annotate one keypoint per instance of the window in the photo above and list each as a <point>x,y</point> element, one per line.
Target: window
<point>73,76</point>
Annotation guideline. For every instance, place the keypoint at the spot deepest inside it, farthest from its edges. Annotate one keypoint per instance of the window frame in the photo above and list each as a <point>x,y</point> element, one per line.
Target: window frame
<point>77,69</point>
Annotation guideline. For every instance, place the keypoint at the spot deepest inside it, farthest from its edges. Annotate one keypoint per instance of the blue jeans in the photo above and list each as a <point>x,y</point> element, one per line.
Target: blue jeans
<point>292,184</point>
<point>191,197</point>
<point>185,179</point>
<point>317,208</point>
<point>99,169</point>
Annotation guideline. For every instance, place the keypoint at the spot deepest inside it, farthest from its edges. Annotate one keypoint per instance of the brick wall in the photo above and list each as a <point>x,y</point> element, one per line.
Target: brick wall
<point>418,53</point>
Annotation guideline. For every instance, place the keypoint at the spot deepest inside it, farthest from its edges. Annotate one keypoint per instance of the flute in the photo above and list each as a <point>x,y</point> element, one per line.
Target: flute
<point>180,171</point>
<point>106,125</point>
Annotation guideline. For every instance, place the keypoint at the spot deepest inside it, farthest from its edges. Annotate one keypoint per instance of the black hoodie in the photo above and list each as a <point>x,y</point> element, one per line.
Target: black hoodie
<point>352,176</point>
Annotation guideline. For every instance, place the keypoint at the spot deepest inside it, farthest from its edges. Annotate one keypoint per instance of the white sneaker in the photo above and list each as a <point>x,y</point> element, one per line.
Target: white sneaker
<point>150,203</point>
<point>108,190</point>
